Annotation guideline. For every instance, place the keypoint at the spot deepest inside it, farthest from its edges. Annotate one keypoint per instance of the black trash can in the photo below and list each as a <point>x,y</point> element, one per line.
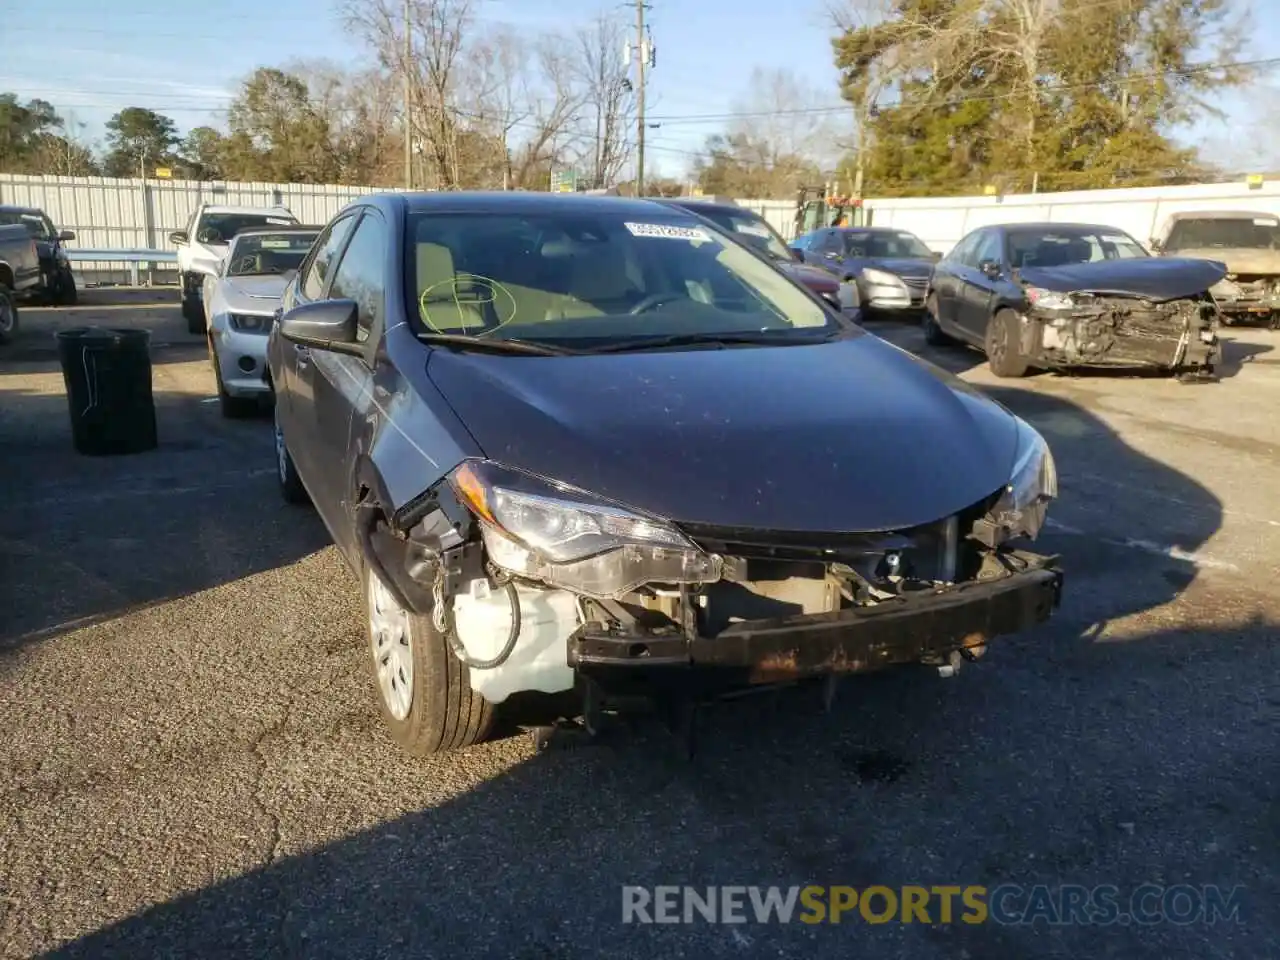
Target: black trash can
<point>108,376</point>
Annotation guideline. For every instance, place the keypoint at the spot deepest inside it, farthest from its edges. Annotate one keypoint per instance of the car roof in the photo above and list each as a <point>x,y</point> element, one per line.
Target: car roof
<point>706,203</point>
<point>15,208</point>
<point>520,201</point>
<point>268,211</point>
<point>1220,215</point>
<point>1050,227</point>
<point>852,229</point>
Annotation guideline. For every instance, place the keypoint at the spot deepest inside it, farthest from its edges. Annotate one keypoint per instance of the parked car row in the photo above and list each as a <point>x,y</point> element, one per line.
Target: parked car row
<point>1064,295</point>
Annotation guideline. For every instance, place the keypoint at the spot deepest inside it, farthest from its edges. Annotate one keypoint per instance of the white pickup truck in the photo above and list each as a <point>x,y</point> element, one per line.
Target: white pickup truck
<point>205,241</point>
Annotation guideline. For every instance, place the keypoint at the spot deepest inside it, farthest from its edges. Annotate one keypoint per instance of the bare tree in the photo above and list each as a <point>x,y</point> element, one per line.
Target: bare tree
<point>437,30</point>
<point>607,96</point>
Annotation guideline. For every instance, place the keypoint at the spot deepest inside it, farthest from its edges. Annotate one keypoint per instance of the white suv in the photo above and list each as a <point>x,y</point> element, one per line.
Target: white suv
<point>206,241</point>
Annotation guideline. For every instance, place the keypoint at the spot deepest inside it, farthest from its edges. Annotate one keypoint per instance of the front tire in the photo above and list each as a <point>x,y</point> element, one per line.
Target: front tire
<point>8,315</point>
<point>233,408</point>
<point>1004,350</point>
<point>934,335</point>
<point>424,691</point>
<point>291,488</point>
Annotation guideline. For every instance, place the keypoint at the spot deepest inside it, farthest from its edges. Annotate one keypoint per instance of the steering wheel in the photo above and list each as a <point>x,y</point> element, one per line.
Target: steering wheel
<point>246,264</point>
<point>655,300</point>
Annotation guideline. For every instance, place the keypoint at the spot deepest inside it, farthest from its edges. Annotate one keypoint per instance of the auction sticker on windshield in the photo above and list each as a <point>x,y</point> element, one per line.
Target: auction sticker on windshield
<point>276,244</point>
<point>1265,222</point>
<point>668,232</point>
<point>751,229</point>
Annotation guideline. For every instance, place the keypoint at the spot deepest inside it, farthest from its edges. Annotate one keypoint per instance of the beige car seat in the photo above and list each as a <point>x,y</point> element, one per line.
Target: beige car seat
<point>442,297</point>
<point>599,285</point>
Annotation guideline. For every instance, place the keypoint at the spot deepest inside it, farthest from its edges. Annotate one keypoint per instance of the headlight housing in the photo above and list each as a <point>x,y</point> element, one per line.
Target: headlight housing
<point>566,537</point>
<point>882,278</point>
<point>249,324</point>
<point>1024,502</point>
<point>1048,299</point>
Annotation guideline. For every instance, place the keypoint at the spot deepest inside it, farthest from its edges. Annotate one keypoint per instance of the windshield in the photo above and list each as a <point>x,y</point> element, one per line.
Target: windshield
<point>1060,247</point>
<point>752,230</point>
<point>264,253</point>
<point>38,225</point>
<point>885,244</point>
<point>1256,233</point>
<point>581,279</point>
<point>221,227</point>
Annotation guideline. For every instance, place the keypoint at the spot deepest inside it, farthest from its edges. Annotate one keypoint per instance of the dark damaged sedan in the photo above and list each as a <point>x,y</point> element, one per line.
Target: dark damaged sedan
<point>1061,295</point>
<point>585,444</point>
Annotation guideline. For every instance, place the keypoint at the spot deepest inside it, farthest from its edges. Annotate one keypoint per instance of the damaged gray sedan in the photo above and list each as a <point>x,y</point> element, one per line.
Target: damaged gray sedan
<point>1056,296</point>
<point>590,446</point>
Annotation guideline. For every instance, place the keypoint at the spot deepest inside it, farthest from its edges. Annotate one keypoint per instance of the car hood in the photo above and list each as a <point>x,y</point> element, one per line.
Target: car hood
<point>812,277</point>
<point>848,436</point>
<point>901,266</point>
<point>1245,261</point>
<point>1156,278</point>
<point>257,294</point>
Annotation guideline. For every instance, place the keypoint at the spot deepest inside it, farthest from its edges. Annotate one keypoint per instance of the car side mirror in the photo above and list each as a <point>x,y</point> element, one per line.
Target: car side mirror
<point>831,255</point>
<point>935,256</point>
<point>66,235</point>
<point>990,269</point>
<point>178,237</point>
<point>1156,245</point>
<point>323,325</point>
<point>797,253</point>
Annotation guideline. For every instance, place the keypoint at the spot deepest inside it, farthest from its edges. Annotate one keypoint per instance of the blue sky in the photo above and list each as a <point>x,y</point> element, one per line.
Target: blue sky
<point>185,58</point>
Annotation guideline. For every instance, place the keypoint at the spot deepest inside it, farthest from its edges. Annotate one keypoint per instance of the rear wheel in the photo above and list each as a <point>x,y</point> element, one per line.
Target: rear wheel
<point>8,314</point>
<point>933,333</point>
<point>1004,350</point>
<point>424,691</point>
<point>64,290</point>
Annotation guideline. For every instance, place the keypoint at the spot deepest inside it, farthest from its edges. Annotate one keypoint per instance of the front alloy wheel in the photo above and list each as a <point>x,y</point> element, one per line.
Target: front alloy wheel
<point>424,691</point>
<point>291,487</point>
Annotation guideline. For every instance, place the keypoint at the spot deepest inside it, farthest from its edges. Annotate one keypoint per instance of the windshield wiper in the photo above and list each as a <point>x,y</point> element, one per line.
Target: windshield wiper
<point>494,345</point>
<point>777,338</point>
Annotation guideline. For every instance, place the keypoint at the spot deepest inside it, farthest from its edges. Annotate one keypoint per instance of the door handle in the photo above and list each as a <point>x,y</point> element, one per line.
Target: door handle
<point>301,354</point>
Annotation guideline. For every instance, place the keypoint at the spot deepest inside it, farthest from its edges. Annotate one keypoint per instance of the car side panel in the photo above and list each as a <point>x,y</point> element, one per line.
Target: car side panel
<point>405,426</point>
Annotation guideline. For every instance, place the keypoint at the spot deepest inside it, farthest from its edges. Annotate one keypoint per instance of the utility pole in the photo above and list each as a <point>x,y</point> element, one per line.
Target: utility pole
<point>642,56</point>
<point>408,96</point>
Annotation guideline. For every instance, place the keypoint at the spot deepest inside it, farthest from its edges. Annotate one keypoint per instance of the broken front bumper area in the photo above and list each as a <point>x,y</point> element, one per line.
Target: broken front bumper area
<point>922,627</point>
<point>1128,332</point>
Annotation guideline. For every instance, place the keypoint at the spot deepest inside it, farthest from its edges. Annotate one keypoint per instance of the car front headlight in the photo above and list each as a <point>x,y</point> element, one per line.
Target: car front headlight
<point>568,538</point>
<point>1048,299</point>
<point>882,278</point>
<point>1024,502</point>
<point>249,324</point>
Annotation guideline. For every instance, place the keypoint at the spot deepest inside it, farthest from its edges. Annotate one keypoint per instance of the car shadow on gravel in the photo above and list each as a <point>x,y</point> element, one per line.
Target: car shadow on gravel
<point>1099,770</point>
<point>85,538</point>
<point>1086,752</point>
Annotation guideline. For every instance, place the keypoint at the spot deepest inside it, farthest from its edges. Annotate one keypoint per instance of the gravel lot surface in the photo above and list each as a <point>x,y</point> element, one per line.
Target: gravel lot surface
<point>194,765</point>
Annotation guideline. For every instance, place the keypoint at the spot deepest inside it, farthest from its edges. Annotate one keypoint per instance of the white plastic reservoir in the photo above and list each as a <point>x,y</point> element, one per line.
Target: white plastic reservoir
<point>539,661</point>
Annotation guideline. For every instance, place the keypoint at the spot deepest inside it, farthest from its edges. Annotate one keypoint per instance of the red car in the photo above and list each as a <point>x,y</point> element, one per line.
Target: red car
<point>750,228</point>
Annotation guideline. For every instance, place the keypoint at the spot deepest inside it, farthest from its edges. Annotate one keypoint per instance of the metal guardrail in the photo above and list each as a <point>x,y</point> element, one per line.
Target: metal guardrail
<point>134,258</point>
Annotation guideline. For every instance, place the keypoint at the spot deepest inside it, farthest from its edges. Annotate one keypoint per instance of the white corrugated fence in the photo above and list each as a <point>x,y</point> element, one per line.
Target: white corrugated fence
<point>121,214</point>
